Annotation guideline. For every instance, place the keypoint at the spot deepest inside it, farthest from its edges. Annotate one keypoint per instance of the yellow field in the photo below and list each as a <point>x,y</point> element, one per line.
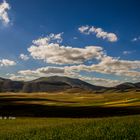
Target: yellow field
<point>66,116</point>
<point>69,105</point>
<point>76,99</point>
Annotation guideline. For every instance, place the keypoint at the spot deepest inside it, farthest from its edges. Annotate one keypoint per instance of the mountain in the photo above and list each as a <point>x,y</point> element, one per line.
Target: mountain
<point>138,85</point>
<point>127,87</point>
<point>58,84</point>
<point>7,85</point>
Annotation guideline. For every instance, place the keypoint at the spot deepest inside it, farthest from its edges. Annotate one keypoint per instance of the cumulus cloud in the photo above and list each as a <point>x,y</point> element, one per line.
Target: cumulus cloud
<point>84,29</point>
<point>50,50</point>
<point>43,70</point>
<point>99,32</point>
<point>24,57</point>
<point>27,75</point>
<point>16,77</point>
<point>55,53</point>
<point>100,81</point>
<point>47,71</point>
<point>6,62</point>
<point>40,72</point>
<point>58,54</point>
<point>61,71</point>
<point>49,39</point>
<point>72,59</point>
<point>4,7</point>
<point>109,65</point>
<point>53,70</point>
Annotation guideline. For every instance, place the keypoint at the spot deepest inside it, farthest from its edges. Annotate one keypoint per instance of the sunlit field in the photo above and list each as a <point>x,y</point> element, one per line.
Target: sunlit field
<point>67,116</point>
<point>72,99</point>
<point>114,128</point>
<point>69,70</point>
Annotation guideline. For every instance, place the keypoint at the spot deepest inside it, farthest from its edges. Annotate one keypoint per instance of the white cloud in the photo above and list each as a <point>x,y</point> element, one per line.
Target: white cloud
<point>55,53</point>
<point>99,32</point>
<point>24,57</point>
<point>46,49</point>
<point>47,71</point>
<point>51,51</point>
<point>61,71</point>
<point>43,70</point>
<point>4,7</point>
<point>51,70</point>
<point>49,39</point>
<point>40,72</point>
<point>16,77</point>
<point>84,29</point>
<point>101,81</point>
<point>27,75</point>
<point>109,65</point>
<point>6,62</point>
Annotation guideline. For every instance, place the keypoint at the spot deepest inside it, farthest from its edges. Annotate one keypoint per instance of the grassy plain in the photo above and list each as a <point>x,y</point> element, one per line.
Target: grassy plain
<point>114,128</point>
<point>67,116</point>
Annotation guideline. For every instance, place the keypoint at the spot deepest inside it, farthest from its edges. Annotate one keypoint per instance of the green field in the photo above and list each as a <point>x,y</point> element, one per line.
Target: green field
<point>115,128</point>
<point>67,116</point>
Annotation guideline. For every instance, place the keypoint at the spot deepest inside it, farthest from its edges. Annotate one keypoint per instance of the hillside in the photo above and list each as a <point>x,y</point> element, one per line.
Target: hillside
<point>58,84</point>
<point>7,85</point>
<point>46,84</point>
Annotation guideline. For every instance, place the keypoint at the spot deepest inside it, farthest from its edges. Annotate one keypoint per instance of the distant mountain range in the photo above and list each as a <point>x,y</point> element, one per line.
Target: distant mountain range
<point>58,84</point>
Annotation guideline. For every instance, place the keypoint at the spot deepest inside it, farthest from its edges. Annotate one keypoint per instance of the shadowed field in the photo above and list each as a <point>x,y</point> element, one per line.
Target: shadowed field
<point>109,116</point>
<point>69,105</point>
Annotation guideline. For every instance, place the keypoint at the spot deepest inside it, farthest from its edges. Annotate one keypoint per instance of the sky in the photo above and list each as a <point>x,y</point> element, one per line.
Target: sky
<point>97,41</point>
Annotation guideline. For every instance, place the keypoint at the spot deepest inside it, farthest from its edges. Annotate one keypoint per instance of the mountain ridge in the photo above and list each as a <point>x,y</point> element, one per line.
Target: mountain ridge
<point>58,84</point>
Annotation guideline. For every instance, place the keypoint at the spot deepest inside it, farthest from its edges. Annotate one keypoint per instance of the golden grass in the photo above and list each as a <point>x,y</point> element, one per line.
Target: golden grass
<point>76,99</point>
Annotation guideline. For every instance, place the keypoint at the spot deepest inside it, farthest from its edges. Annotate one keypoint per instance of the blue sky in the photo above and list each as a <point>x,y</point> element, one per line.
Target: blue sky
<point>31,19</point>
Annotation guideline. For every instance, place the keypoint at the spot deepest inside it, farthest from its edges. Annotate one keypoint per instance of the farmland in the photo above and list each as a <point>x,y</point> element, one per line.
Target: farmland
<point>67,116</point>
<point>114,128</point>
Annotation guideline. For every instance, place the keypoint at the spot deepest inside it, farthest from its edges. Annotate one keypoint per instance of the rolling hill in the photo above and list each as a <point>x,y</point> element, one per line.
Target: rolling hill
<point>58,84</point>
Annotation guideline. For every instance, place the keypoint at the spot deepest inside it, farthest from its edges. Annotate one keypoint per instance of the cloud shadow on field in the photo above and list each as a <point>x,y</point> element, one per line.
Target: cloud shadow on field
<point>8,107</point>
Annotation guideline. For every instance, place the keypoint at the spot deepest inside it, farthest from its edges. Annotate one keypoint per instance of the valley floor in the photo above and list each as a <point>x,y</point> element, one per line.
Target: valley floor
<point>67,116</point>
<point>69,104</point>
<point>112,128</point>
